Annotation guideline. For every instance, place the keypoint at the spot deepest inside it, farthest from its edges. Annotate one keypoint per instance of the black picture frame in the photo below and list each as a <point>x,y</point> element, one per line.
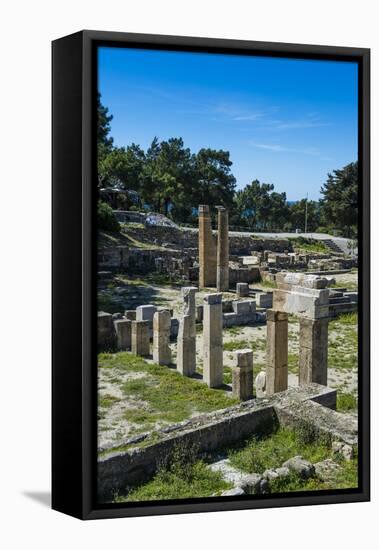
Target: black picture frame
<point>74,369</point>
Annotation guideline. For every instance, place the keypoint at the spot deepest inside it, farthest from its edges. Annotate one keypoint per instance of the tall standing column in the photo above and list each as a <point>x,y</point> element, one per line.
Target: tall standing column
<point>207,249</point>
<point>223,250</point>
<point>186,356</point>
<point>277,352</point>
<point>313,355</point>
<point>161,337</point>
<point>212,340</point>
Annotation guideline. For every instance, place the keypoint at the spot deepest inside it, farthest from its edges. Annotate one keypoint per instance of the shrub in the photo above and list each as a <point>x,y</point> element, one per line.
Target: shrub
<point>106,220</point>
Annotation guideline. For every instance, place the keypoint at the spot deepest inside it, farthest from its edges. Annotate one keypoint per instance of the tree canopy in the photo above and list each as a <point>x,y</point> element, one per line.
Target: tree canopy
<point>340,200</point>
<point>172,180</point>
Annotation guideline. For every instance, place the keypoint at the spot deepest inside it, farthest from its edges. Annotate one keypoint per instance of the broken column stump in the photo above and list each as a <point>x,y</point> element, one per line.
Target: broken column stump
<point>161,337</point>
<point>186,355</point>
<point>123,328</point>
<point>242,375</point>
<point>242,290</point>
<point>212,340</point>
<point>140,338</point>
<point>277,352</point>
<point>105,331</point>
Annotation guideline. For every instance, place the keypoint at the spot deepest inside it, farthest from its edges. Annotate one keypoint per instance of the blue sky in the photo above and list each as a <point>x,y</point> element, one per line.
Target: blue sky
<point>286,122</point>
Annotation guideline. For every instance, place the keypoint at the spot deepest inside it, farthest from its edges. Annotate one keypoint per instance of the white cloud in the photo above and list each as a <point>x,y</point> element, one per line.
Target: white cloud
<point>277,148</point>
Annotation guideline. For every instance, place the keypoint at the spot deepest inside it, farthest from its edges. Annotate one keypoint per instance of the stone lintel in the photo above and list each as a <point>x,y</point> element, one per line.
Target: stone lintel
<point>307,302</point>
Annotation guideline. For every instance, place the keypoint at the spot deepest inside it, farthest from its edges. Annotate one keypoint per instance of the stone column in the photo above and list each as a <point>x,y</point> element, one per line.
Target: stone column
<point>212,340</point>
<point>161,337</point>
<point>140,338</point>
<point>130,314</point>
<point>186,356</point>
<point>223,250</point>
<point>242,290</point>
<point>313,355</point>
<point>145,313</point>
<point>105,331</point>
<point>276,352</point>
<point>242,375</point>
<point>123,328</point>
<point>207,249</point>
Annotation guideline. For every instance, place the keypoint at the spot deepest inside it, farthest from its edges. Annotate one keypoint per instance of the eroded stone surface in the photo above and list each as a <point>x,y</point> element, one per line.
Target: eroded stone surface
<point>260,384</point>
<point>242,375</point>
<point>301,467</point>
<point>212,341</point>
<point>235,492</point>
<point>161,337</point>
<point>327,469</point>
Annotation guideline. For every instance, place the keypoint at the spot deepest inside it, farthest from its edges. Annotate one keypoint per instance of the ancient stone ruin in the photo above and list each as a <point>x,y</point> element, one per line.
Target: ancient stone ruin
<point>207,249</point>
<point>186,359</point>
<point>310,303</point>
<point>152,331</point>
<point>222,279</point>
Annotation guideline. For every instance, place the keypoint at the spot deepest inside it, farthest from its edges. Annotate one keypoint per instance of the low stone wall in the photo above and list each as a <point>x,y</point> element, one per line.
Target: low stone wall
<point>139,260</point>
<point>326,424</point>
<point>120,470</point>
<point>129,216</point>
<point>243,275</point>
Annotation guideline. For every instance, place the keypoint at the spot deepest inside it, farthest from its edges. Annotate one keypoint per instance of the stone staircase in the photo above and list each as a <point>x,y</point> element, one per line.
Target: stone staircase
<point>333,246</point>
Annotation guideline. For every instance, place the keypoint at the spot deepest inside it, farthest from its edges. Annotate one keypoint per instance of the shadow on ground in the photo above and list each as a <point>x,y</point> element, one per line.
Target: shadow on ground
<point>41,497</point>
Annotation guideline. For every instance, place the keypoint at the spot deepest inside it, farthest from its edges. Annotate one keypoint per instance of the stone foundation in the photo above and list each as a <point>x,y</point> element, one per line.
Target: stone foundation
<point>119,470</point>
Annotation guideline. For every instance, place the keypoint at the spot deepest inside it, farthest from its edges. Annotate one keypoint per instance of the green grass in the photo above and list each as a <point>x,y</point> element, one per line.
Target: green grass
<point>346,402</point>
<point>108,303</point>
<point>349,285</point>
<point>181,475</point>
<point>233,330</point>
<point>150,279</point>
<point>343,342</point>
<point>346,478</point>
<point>256,344</point>
<point>236,344</point>
<point>293,362</point>
<point>268,284</point>
<point>271,451</point>
<point>227,375</point>
<point>349,319</point>
<point>168,396</point>
<point>107,401</point>
<point>308,245</point>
